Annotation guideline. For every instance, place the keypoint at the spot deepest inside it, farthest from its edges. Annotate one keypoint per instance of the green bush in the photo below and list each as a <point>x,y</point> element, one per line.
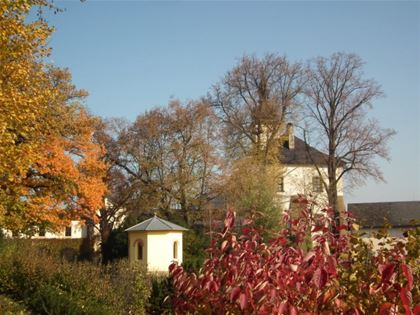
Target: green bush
<point>116,247</point>
<point>195,241</point>
<point>162,290</point>
<point>11,307</point>
<point>49,285</point>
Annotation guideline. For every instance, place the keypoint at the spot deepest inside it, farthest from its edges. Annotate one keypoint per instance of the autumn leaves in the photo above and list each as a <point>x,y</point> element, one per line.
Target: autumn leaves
<point>50,167</point>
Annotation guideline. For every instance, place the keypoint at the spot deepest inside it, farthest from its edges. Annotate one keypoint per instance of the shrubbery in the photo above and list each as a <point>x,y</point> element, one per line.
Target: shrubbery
<point>340,274</point>
<point>48,285</point>
<point>11,307</point>
<point>160,298</point>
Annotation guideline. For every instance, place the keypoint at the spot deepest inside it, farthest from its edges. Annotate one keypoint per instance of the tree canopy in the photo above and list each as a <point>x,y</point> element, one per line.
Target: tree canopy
<point>50,167</point>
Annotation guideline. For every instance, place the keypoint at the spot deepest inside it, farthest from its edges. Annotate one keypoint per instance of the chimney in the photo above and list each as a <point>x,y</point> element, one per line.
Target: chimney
<point>291,136</point>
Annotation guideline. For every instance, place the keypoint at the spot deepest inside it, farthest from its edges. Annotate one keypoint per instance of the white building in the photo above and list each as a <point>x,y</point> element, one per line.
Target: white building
<point>302,169</point>
<point>76,229</point>
<point>156,243</point>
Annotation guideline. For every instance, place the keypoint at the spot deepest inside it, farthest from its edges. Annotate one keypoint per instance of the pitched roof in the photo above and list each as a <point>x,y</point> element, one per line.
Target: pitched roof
<point>156,224</point>
<point>376,214</point>
<point>302,154</point>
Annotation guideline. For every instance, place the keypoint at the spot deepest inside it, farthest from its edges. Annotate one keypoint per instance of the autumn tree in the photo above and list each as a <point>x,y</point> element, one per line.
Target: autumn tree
<point>338,99</point>
<point>169,156</point>
<point>253,101</point>
<point>251,189</point>
<point>122,187</point>
<point>49,165</point>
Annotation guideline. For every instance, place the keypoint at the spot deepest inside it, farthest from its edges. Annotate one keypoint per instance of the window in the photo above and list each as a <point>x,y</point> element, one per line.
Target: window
<point>140,250</point>
<point>175,250</point>
<point>68,231</point>
<point>176,206</point>
<point>316,184</point>
<point>41,231</point>
<point>281,184</point>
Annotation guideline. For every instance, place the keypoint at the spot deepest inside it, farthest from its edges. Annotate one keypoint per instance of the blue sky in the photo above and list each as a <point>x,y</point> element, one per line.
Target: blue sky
<point>133,55</point>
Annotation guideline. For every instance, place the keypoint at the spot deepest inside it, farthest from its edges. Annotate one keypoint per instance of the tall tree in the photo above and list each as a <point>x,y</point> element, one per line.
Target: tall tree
<point>253,100</point>
<point>121,185</point>
<point>251,189</point>
<point>169,155</point>
<point>337,102</point>
<point>49,165</point>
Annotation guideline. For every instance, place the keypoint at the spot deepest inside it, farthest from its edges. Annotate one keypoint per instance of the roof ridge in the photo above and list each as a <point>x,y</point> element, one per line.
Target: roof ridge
<point>148,223</point>
<point>166,223</point>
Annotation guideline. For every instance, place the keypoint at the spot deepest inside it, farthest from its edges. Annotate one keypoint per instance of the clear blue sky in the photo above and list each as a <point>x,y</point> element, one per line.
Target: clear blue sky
<point>133,55</point>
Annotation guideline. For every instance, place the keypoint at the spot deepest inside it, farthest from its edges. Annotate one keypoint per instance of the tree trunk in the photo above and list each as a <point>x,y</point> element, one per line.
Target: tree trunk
<point>87,248</point>
<point>332,181</point>
<point>105,231</point>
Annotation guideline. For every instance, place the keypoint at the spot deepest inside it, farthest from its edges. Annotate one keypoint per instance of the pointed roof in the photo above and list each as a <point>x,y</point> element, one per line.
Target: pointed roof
<point>302,154</point>
<point>156,224</point>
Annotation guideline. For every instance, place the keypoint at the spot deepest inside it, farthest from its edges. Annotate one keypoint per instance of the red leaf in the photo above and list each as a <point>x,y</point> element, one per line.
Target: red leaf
<point>235,294</point>
<point>282,307</point>
<point>409,275</point>
<point>407,310</point>
<point>309,256</point>
<point>320,278</point>
<point>230,219</point>
<point>387,272</point>
<point>224,245</point>
<point>172,267</point>
<point>385,309</point>
<point>293,310</point>
<point>242,301</point>
<point>406,297</point>
<point>331,265</point>
<point>264,310</point>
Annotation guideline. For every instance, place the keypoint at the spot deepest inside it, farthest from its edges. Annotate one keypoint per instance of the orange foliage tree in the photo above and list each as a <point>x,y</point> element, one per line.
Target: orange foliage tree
<point>50,166</point>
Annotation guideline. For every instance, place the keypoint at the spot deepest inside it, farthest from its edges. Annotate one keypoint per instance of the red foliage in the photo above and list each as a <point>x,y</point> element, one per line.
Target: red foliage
<point>245,275</point>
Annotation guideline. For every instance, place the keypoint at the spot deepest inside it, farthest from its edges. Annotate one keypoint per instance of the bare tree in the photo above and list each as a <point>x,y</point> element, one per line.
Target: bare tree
<point>253,101</point>
<point>169,156</point>
<point>337,102</point>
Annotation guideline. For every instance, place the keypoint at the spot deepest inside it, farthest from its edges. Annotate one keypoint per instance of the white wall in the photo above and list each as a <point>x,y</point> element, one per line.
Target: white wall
<point>158,248</point>
<point>395,235</point>
<point>133,238</point>
<point>78,230</point>
<point>297,179</point>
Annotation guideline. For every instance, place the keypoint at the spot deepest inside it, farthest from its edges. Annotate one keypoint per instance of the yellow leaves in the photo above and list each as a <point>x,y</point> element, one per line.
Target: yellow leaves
<point>49,166</point>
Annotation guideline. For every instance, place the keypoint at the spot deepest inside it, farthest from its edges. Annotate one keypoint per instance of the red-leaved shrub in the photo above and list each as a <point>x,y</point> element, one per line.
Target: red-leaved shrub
<point>338,274</point>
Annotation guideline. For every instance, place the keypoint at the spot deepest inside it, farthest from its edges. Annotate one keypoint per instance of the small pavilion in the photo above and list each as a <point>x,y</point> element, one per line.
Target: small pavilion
<point>156,243</point>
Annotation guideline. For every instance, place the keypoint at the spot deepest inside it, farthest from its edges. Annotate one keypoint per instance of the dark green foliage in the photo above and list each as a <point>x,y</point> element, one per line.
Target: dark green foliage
<point>195,243</point>
<point>162,290</point>
<point>48,285</point>
<point>116,247</point>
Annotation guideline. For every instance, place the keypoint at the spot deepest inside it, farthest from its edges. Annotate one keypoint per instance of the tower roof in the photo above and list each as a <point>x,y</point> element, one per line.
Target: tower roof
<point>156,224</point>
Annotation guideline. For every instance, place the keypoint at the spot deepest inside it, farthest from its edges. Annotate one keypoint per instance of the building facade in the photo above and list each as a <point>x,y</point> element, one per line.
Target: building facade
<point>304,169</point>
